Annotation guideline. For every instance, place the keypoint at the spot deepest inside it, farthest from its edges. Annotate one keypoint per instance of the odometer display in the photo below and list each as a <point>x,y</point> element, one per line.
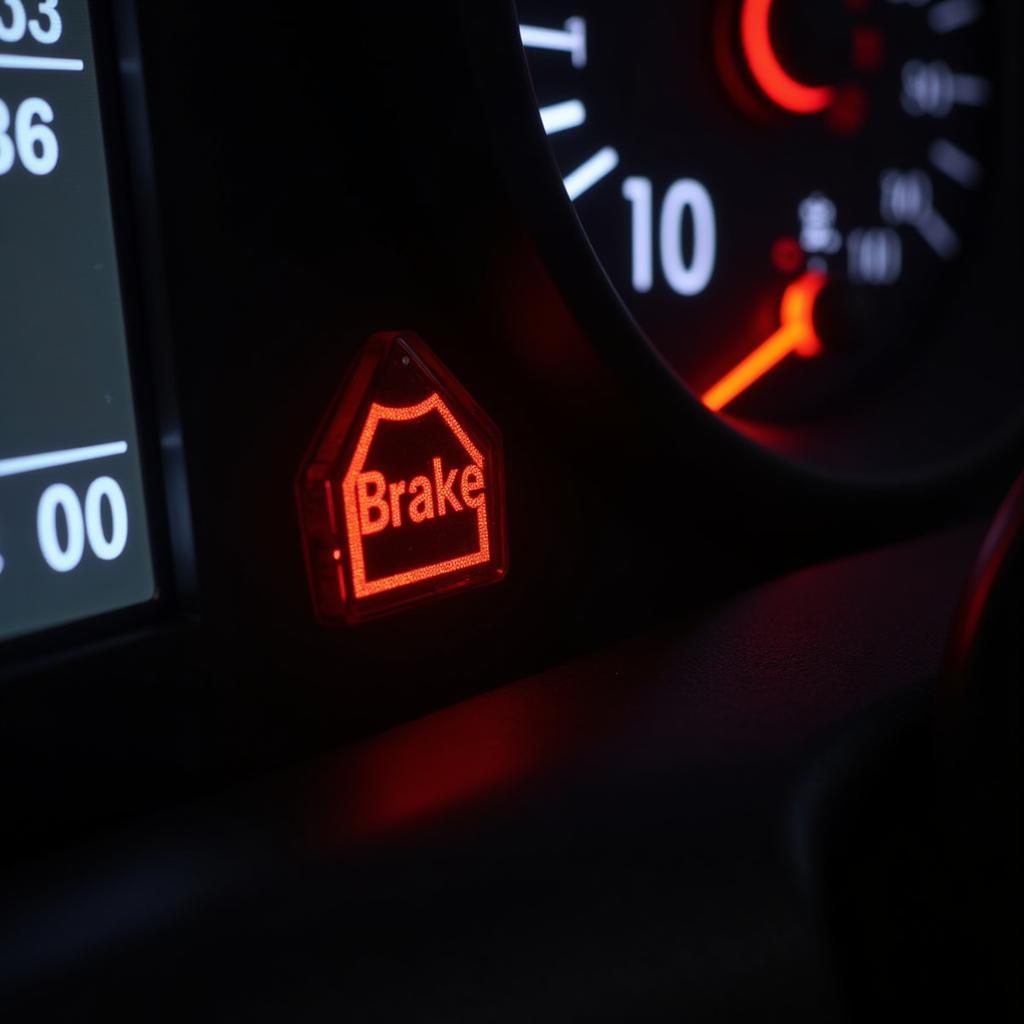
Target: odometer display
<point>780,190</point>
<point>73,536</point>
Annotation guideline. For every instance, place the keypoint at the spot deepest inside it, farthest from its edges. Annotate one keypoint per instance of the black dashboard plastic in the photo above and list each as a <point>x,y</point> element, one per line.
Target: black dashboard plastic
<point>635,833</point>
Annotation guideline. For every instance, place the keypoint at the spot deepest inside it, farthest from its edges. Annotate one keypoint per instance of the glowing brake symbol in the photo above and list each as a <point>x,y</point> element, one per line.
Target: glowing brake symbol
<point>401,498</point>
<point>373,504</point>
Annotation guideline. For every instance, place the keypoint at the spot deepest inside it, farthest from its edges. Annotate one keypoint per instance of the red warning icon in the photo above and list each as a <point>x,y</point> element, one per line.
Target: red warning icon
<point>401,498</point>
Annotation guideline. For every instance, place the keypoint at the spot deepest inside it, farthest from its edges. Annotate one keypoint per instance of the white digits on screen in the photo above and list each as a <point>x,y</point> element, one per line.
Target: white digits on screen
<point>60,501</point>
<point>8,153</point>
<point>12,31</point>
<point>34,142</point>
<point>37,145</point>
<point>45,28</point>
<point>60,557</point>
<point>687,273</point>
<point>50,32</point>
<point>107,489</point>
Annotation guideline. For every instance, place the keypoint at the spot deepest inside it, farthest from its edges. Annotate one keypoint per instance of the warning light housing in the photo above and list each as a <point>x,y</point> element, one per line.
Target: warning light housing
<point>402,497</point>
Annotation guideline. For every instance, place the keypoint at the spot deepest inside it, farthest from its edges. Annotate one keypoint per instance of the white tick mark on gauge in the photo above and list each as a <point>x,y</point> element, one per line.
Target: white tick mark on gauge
<point>560,117</point>
<point>572,39</point>
<point>953,162</point>
<point>971,90</point>
<point>950,15</point>
<point>591,171</point>
<point>941,238</point>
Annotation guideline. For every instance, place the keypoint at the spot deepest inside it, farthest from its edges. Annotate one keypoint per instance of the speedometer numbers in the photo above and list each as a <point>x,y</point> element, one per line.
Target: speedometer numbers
<point>733,162</point>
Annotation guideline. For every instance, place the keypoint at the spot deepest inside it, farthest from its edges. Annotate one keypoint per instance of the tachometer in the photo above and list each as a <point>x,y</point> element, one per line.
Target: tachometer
<point>780,190</point>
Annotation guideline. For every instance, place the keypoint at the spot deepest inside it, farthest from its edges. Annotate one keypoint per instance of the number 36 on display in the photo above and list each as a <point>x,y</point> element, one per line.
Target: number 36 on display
<point>25,135</point>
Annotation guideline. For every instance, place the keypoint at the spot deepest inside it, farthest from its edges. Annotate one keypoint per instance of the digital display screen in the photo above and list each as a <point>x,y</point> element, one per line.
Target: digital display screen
<point>73,535</point>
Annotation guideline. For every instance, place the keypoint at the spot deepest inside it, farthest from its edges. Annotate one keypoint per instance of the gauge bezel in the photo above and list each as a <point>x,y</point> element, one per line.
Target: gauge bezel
<point>803,463</point>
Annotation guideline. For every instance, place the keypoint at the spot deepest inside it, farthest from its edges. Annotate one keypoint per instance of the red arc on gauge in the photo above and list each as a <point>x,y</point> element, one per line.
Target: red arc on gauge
<point>772,78</point>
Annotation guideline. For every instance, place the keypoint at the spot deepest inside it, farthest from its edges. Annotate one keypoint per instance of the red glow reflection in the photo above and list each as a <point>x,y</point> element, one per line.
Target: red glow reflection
<point>444,763</point>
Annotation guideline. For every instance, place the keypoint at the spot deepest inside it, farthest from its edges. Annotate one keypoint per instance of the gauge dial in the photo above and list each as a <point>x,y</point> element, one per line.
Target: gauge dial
<point>780,190</point>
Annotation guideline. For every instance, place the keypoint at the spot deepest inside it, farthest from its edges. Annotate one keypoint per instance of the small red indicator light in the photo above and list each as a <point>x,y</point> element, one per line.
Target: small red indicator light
<point>867,49</point>
<point>402,496</point>
<point>787,256</point>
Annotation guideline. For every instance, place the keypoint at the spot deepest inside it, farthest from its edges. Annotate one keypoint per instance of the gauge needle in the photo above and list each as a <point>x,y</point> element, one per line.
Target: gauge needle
<point>796,333</point>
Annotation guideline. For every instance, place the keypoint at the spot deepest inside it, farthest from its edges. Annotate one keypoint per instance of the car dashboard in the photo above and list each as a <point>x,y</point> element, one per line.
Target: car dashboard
<point>510,512</point>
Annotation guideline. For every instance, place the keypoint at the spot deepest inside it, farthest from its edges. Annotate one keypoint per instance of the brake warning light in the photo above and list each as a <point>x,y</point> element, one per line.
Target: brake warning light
<point>401,498</point>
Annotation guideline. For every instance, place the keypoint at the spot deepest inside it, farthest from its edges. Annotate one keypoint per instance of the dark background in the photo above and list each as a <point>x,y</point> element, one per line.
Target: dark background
<point>315,176</point>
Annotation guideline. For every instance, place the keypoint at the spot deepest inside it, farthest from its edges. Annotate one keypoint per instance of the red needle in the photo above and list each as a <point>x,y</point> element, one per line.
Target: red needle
<point>795,334</point>
<point>775,81</point>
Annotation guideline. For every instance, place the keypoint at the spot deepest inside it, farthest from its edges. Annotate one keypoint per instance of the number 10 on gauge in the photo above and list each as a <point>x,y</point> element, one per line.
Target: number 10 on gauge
<point>686,269</point>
